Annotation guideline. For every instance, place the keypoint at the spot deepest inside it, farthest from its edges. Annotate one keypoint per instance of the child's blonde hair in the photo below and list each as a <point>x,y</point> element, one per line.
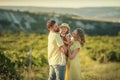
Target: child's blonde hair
<point>66,26</point>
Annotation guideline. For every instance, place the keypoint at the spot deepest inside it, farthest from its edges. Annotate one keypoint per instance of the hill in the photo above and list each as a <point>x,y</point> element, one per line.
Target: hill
<point>33,21</point>
<point>100,13</point>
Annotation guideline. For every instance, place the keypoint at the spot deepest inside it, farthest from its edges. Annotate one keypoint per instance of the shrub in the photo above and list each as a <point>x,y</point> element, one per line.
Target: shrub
<point>7,70</point>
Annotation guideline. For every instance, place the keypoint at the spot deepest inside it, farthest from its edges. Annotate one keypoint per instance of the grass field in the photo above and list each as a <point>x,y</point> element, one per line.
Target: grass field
<point>16,47</point>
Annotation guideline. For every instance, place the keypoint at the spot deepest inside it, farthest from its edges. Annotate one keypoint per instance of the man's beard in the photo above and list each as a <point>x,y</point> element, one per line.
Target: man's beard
<point>57,30</point>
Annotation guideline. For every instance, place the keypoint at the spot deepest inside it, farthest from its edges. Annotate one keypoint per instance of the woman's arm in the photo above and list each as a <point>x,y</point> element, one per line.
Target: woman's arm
<point>74,53</point>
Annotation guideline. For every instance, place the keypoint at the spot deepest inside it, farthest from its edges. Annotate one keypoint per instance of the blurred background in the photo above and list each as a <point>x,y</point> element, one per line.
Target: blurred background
<point>23,37</point>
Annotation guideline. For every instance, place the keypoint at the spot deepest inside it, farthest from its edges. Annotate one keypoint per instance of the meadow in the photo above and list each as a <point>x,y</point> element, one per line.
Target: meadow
<point>24,57</point>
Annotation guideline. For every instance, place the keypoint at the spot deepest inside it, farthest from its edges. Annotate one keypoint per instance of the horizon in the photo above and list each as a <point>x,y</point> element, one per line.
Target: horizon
<point>62,7</point>
<point>62,3</point>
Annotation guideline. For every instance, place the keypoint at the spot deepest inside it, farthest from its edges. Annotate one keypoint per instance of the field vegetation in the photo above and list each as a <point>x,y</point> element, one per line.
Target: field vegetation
<point>24,57</point>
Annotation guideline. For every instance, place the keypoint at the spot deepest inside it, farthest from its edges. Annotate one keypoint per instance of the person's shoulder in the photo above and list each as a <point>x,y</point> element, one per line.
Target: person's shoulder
<point>53,33</point>
<point>56,34</point>
<point>76,43</point>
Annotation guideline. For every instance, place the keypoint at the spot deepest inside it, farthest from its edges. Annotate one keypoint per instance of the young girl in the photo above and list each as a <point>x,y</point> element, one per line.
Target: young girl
<point>65,34</point>
<point>73,71</point>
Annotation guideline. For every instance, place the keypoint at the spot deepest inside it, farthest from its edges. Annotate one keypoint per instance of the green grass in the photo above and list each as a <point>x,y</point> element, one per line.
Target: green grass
<point>17,46</point>
<point>93,70</point>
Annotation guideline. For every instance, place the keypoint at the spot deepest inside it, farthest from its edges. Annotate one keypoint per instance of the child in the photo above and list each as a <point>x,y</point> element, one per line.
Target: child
<point>65,35</point>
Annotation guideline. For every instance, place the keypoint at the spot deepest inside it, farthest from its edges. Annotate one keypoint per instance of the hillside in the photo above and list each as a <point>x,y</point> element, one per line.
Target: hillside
<point>100,13</point>
<point>36,22</point>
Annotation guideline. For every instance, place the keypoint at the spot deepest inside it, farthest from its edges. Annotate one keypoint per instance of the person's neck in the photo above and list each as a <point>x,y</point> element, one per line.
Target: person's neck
<point>51,30</point>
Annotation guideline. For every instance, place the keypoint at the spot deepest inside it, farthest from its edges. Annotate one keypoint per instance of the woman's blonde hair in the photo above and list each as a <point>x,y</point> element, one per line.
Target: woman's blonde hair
<point>81,34</point>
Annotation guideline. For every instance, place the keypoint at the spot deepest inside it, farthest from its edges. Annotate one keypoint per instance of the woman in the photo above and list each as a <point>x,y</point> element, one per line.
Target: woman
<point>73,71</point>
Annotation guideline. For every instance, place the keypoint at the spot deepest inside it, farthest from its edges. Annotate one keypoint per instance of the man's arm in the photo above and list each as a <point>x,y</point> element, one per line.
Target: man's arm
<point>63,49</point>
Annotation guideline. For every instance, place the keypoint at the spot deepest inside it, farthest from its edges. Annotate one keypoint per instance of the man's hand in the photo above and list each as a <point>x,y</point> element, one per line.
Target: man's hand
<point>63,49</point>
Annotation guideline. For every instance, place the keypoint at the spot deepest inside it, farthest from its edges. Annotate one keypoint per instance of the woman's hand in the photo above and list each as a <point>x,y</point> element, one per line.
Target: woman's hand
<point>74,53</point>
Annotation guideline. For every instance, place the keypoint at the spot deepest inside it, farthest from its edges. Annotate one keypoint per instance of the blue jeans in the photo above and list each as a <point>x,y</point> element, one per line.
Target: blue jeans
<point>56,72</point>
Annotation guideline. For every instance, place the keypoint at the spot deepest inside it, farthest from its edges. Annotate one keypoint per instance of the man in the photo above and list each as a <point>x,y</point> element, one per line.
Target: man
<point>56,47</point>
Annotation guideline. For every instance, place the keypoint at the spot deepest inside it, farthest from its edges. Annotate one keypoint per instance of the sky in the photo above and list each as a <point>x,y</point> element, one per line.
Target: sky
<point>62,3</point>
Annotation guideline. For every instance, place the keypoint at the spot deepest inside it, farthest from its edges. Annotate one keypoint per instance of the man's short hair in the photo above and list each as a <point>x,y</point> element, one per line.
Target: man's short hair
<point>50,23</point>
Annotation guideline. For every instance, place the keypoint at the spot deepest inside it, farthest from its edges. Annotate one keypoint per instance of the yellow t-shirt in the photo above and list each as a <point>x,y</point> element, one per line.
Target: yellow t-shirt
<point>54,54</point>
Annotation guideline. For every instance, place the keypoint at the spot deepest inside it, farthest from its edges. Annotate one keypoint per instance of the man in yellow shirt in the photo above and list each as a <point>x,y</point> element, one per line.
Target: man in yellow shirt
<point>56,47</point>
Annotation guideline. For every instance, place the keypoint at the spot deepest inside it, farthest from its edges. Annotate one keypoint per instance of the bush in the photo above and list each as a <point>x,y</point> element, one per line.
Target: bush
<point>112,56</point>
<point>103,48</point>
<point>7,70</point>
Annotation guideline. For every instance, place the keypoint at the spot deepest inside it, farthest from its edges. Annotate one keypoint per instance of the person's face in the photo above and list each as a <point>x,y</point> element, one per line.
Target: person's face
<point>74,34</point>
<point>55,27</point>
<point>63,30</point>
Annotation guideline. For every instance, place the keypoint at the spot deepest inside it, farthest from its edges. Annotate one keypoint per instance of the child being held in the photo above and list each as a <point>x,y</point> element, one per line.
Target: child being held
<point>65,35</point>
